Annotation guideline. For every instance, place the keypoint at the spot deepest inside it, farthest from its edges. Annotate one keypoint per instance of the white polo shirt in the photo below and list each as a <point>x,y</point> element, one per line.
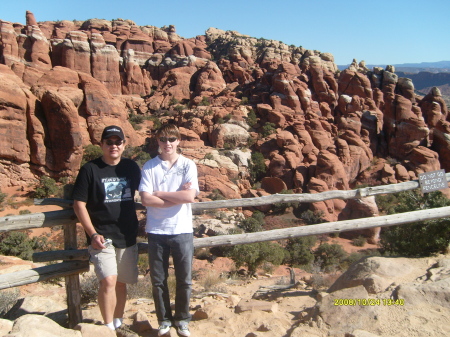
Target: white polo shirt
<point>156,176</point>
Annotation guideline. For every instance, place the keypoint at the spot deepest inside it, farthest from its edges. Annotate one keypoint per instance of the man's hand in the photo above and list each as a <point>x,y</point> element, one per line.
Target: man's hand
<point>97,242</point>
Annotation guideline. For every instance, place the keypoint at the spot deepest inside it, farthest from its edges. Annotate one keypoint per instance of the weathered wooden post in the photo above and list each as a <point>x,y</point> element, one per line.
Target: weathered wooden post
<point>73,290</point>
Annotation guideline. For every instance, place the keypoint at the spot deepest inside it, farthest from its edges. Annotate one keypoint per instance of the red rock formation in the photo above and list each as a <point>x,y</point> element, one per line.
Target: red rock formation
<point>359,209</point>
<point>105,64</point>
<point>433,107</point>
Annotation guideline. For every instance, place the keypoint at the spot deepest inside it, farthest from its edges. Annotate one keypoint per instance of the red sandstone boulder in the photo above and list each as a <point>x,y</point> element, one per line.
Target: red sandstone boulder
<point>175,84</point>
<point>209,81</point>
<point>359,209</point>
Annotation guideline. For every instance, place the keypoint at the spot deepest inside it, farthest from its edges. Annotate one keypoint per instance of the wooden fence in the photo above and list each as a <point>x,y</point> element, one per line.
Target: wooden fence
<point>75,261</point>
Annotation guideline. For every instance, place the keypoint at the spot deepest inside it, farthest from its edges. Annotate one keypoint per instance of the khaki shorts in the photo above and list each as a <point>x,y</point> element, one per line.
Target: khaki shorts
<point>116,261</point>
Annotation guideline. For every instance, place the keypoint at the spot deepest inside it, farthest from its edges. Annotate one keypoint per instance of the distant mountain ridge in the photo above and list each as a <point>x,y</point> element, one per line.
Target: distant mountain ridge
<point>432,67</point>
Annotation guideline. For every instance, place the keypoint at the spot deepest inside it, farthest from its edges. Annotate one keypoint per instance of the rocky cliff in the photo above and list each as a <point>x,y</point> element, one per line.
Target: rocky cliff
<point>318,128</point>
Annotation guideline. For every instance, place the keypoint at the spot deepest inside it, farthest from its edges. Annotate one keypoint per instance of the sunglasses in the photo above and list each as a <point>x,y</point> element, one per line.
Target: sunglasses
<point>165,139</point>
<point>110,142</point>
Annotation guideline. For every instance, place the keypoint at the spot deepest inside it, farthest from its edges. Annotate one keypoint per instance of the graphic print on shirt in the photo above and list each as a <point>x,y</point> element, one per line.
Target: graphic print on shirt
<point>178,171</point>
<point>117,189</point>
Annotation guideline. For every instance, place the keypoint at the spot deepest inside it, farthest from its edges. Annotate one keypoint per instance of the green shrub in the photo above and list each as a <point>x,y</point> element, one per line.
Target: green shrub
<point>257,167</point>
<point>91,152</point>
<point>251,118</point>
<point>24,211</point>
<point>209,156</point>
<point>205,101</point>
<point>156,122</point>
<point>137,153</point>
<point>255,254</point>
<point>173,101</point>
<point>135,120</point>
<point>330,256</point>
<point>3,196</point>
<point>17,243</point>
<point>360,241</point>
<point>268,129</point>
<point>250,225</point>
<point>312,217</point>
<point>280,207</point>
<point>46,188</point>
<point>179,108</point>
<point>244,100</point>
<point>300,250</point>
<point>216,195</point>
<point>418,239</point>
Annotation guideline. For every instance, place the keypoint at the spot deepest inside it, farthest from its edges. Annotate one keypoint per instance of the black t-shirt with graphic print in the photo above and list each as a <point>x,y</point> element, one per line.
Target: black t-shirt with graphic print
<point>109,195</point>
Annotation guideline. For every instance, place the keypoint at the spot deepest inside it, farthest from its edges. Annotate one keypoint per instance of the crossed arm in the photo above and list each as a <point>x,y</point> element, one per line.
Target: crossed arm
<point>162,199</point>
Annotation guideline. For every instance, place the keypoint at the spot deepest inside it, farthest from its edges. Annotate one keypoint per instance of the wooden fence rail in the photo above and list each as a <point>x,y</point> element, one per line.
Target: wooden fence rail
<point>75,261</point>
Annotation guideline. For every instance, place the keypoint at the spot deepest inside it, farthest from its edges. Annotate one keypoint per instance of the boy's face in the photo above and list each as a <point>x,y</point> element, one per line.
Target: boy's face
<point>168,144</point>
<point>112,147</point>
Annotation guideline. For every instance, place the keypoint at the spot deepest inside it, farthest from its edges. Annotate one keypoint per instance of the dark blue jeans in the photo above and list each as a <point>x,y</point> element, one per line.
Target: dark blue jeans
<point>181,246</point>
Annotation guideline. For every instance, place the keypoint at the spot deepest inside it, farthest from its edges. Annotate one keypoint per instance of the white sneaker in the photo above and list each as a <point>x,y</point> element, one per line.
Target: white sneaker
<point>163,329</point>
<point>183,330</point>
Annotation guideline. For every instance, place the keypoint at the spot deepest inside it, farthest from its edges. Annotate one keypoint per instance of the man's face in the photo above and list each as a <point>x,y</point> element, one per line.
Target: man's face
<point>112,147</point>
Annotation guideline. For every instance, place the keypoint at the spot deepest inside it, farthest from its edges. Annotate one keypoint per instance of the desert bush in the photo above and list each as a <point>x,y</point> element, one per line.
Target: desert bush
<point>299,250</point>
<point>88,288</point>
<point>136,120</point>
<point>312,217</point>
<point>216,195</point>
<point>17,243</point>
<point>205,101</point>
<point>268,129</point>
<point>253,224</point>
<point>210,280</point>
<point>91,152</point>
<point>24,211</point>
<point>7,300</point>
<point>424,238</point>
<point>254,255</point>
<point>156,122</point>
<point>141,289</point>
<point>252,118</point>
<point>360,241</point>
<point>280,207</point>
<point>244,100</point>
<point>257,167</point>
<point>46,188</point>
<point>137,153</point>
<point>173,101</point>
<point>320,281</point>
<point>331,256</point>
<point>3,196</point>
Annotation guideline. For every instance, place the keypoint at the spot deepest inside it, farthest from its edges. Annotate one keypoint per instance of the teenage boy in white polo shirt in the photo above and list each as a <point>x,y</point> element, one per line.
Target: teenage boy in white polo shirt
<point>169,184</point>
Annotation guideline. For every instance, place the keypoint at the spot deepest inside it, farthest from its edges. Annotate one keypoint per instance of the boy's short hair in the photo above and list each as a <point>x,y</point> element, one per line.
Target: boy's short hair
<point>169,130</point>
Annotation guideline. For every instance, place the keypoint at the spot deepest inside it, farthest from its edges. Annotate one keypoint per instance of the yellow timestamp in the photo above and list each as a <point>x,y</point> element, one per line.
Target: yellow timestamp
<point>368,301</point>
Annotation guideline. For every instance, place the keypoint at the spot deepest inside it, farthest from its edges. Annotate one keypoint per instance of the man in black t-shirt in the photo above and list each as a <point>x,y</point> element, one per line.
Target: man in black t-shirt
<point>104,203</point>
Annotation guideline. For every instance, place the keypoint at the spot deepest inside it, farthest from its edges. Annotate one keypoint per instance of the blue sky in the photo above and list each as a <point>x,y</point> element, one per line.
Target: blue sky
<point>379,32</point>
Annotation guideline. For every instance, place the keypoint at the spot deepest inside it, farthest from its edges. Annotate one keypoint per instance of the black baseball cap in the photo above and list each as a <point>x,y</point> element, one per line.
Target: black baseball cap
<point>112,130</point>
